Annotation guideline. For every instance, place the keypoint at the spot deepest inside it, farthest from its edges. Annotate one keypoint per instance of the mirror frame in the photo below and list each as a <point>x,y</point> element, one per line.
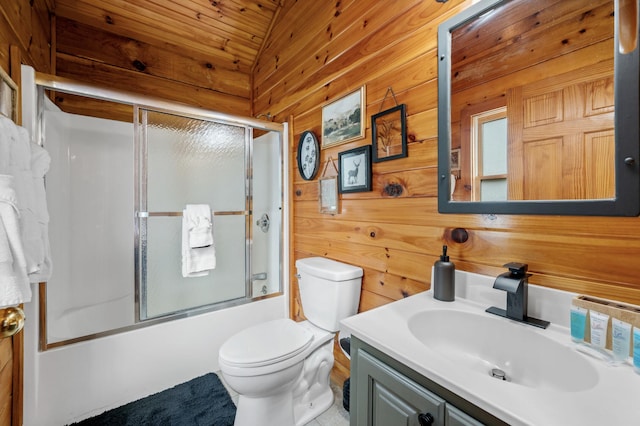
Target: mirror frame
<point>627,135</point>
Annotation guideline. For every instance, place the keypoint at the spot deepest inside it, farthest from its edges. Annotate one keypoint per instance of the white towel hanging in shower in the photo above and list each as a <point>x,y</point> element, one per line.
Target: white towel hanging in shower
<point>14,284</point>
<point>26,163</point>
<point>198,261</point>
<point>200,225</point>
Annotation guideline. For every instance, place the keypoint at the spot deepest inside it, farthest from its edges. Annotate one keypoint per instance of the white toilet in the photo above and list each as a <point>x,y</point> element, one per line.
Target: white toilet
<point>281,368</point>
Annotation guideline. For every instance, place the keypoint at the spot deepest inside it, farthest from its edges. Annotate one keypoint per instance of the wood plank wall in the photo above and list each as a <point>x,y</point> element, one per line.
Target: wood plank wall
<point>95,48</point>
<point>26,24</point>
<point>319,51</point>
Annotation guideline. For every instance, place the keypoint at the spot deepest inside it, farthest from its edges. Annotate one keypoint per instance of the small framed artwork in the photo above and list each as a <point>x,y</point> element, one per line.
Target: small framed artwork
<point>455,160</point>
<point>308,155</point>
<point>389,134</point>
<point>354,174</point>
<point>328,195</point>
<point>343,120</point>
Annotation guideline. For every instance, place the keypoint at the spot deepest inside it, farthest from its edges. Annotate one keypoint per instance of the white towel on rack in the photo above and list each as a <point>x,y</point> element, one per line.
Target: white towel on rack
<point>196,262</point>
<point>200,225</point>
<point>14,284</point>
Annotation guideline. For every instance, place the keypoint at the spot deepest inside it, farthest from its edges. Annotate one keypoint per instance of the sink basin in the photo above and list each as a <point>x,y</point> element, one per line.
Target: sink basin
<point>481,343</point>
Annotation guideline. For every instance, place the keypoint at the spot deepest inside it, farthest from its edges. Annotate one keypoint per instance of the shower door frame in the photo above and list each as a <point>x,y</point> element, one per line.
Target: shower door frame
<point>50,82</point>
<point>142,214</point>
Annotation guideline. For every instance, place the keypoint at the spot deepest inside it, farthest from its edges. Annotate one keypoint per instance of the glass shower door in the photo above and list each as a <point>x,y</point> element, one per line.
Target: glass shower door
<point>185,160</point>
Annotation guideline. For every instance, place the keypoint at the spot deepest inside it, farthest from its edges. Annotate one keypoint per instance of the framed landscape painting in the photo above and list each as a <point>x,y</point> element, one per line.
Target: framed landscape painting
<point>343,120</point>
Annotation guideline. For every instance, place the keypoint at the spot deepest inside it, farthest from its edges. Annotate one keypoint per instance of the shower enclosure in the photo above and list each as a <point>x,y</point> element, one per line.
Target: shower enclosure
<point>116,192</point>
<point>186,160</point>
<point>95,198</point>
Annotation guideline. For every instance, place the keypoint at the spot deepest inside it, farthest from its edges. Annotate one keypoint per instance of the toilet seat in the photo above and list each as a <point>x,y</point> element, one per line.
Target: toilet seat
<point>265,344</point>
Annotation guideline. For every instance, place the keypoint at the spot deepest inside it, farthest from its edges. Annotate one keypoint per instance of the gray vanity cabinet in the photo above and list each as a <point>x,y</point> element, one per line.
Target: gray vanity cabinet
<point>385,392</point>
<point>456,417</point>
<point>392,398</point>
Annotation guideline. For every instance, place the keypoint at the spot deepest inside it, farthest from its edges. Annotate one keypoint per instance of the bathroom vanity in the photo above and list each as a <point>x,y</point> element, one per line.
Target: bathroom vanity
<point>423,361</point>
<point>395,394</point>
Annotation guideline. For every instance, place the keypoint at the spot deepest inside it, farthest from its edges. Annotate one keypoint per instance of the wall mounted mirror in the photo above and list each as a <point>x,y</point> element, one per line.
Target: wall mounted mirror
<point>538,109</point>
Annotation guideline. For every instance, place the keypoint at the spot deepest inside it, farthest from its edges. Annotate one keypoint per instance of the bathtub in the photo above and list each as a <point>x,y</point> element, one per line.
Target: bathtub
<point>73,382</point>
<point>92,319</point>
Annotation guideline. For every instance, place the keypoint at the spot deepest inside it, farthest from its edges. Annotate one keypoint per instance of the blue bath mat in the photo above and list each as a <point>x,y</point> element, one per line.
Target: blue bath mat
<point>203,401</point>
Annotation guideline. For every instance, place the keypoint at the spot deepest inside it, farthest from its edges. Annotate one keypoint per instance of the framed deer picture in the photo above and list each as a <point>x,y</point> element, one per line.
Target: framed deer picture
<point>354,174</point>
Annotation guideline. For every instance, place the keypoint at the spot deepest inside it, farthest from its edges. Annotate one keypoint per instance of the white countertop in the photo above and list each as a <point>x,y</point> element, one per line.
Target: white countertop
<point>614,400</point>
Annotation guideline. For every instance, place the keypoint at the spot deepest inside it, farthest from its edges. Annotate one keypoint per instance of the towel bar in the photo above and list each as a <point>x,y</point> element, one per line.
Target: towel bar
<point>226,213</point>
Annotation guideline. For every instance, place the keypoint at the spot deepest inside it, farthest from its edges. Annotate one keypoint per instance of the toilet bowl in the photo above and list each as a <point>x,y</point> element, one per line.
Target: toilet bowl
<point>280,369</point>
<point>270,383</point>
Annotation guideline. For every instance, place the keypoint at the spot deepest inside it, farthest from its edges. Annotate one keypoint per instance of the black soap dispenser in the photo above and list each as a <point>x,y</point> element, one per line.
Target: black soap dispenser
<point>444,279</point>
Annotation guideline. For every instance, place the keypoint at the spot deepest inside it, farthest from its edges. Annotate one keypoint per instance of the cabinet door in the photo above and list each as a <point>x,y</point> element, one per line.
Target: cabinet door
<point>386,397</point>
<point>455,417</point>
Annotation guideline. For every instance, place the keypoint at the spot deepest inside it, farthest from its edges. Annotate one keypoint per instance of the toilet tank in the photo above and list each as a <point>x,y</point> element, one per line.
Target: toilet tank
<point>329,291</point>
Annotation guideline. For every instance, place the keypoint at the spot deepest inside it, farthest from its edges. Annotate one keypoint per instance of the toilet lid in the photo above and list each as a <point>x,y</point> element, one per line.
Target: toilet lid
<point>266,343</point>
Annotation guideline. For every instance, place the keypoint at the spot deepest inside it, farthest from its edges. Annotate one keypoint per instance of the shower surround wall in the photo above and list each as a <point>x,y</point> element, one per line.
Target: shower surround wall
<point>90,200</point>
<point>265,201</point>
<point>76,381</point>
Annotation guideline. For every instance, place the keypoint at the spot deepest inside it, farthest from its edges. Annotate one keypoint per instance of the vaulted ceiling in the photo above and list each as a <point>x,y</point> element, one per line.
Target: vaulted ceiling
<point>228,32</point>
<point>210,45</point>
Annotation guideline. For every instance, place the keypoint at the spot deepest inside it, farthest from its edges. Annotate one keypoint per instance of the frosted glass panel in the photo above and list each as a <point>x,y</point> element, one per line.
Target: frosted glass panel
<point>193,161</point>
<point>167,291</point>
<point>493,190</point>
<point>494,147</point>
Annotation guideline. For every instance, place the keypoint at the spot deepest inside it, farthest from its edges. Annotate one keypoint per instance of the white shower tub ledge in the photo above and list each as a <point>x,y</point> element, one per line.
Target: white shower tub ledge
<point>553,382</point>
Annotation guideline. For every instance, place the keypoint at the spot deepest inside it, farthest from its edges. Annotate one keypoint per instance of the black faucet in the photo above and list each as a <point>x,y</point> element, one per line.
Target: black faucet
<point>515,284</point>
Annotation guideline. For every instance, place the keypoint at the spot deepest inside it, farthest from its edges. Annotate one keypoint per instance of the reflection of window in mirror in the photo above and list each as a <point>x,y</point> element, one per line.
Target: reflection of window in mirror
<point>559,97</point>
<point>489,155</point>
<point>466,136</point>
<point>572,122</point>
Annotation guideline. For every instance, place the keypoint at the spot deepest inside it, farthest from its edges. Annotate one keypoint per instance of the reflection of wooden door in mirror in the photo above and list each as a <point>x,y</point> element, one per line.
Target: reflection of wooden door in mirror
<point>562,138</point>
<point>553,62</point>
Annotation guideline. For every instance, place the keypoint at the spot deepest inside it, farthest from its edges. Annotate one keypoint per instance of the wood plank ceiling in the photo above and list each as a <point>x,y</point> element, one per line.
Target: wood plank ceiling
<point>183,46</point>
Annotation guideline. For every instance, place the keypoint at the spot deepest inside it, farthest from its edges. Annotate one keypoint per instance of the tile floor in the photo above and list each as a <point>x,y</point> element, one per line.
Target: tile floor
<point>336,415</point>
